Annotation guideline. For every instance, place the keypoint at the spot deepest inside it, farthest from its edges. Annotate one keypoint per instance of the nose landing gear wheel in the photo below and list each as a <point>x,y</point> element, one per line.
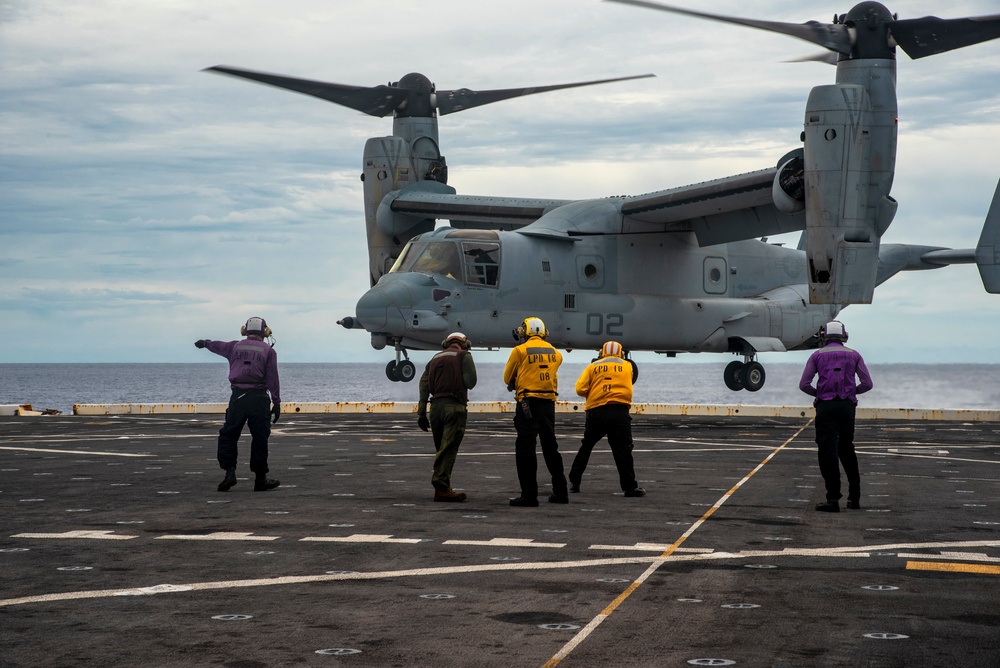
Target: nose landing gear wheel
<point>400,371</point>
<point>406,370</point>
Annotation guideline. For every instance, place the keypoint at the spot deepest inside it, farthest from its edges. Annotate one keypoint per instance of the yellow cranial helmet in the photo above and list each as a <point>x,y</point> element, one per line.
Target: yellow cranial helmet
<point>534,327</point>
<point>611,349</point>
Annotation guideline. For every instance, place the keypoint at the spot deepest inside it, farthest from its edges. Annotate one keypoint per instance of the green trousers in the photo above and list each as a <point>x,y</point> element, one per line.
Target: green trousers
<point>447,420</point>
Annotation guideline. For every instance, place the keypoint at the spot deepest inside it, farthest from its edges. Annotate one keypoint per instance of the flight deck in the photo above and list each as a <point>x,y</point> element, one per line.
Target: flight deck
<point>117,549</point>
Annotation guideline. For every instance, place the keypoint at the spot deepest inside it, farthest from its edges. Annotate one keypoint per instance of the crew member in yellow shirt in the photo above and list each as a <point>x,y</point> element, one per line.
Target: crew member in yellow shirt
<point>531,372</point>
<point>607,385</point>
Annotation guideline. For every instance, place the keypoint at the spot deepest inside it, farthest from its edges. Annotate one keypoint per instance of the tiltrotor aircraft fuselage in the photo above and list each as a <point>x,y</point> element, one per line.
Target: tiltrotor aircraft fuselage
<point>687,269</point>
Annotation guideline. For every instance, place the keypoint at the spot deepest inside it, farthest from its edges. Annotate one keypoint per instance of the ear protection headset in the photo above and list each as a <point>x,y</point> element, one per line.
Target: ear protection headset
<point>256,326</point>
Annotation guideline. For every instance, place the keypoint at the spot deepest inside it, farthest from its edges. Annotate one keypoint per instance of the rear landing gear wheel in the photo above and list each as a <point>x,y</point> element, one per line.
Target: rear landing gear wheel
<point>390,372</point>
<point>733,375</point>
<point>753,376</point>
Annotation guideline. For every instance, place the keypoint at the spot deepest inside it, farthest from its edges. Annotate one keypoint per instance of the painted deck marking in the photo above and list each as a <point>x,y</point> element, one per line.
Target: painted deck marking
<point>218,535</point>
<point>361,538</point>
<point>94,535</point>
<point>76,452</point>
<point>504,542</point>
<point>981,569</point>
<point>663,558</point>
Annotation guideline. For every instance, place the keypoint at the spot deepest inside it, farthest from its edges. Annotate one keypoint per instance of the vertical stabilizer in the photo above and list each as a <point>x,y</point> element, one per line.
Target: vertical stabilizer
<point>988,250</point>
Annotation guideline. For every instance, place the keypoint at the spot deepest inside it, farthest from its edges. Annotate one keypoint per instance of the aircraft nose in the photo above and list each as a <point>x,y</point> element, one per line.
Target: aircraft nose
<point>381,305</point>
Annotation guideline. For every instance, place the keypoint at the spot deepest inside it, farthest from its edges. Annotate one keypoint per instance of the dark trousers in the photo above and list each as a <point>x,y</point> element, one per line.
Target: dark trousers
<point>540,425</point>
<point>835,438</point>
<point>448,419</point>
<point>246,407</point>
<point>613,421</point>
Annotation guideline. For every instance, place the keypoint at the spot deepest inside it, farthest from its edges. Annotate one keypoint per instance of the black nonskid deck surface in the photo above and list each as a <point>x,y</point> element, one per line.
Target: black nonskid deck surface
<point>116,548</point>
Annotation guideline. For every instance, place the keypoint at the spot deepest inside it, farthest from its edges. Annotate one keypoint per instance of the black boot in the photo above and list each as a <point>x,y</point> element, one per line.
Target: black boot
<point>229,480</point>
<point>262,484</point>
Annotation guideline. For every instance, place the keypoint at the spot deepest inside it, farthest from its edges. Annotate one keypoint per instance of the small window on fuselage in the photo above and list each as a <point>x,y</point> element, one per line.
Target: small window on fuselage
<point>482,263</point>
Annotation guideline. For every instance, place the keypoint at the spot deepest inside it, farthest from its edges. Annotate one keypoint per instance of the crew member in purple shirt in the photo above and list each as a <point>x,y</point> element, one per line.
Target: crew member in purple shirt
<point>253,372</point>
<point>836,401</point>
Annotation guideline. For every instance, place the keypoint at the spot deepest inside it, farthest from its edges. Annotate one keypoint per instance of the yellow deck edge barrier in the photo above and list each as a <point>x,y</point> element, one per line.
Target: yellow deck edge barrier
<point>702,410</point>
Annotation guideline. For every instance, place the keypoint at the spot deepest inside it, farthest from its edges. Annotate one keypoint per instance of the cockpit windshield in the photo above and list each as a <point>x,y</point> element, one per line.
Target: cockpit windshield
<point>445,258</point>
<point>439,257</point>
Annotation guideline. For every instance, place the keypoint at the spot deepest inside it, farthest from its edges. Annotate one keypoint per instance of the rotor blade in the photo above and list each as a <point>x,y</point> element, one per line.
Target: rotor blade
<point>829,57</point>
<point>375,101</point>
<point>834,37</point>
<point>450,101</point>
<point>930,35</point>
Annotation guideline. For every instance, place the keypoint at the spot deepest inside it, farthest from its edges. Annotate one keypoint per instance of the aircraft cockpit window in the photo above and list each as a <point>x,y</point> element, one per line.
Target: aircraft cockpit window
<point>482,263</point>
<point>439,257</point>
<point>406,258</point>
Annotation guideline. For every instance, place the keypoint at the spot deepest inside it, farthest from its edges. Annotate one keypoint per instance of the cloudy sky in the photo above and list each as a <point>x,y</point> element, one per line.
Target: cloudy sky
<point>145,203</point>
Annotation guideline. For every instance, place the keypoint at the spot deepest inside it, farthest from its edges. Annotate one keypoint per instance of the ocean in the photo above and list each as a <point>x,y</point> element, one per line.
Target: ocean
<point>59,386</point>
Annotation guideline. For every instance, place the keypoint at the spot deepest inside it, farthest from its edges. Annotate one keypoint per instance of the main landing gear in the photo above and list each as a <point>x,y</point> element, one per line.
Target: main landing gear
<point>401,370</point>
<point>748,375</point>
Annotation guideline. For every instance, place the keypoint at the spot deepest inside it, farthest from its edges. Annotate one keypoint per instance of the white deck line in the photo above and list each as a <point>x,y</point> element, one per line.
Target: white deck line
<point>703,410</point>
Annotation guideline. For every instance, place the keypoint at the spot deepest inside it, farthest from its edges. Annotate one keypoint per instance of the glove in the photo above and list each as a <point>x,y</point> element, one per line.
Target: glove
<point>276,412</point>
<point>200,343</point>
<point>423,423</point>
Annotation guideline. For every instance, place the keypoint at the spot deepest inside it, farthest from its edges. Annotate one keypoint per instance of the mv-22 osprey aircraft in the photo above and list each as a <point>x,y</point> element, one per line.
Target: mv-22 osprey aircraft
<point>679,270</point>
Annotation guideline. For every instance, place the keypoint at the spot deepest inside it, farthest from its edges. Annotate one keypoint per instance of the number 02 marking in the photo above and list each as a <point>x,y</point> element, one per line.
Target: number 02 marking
<point>610,324</point>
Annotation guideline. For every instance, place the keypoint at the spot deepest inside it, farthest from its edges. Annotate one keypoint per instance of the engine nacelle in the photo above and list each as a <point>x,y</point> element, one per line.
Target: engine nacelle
<point>392,164</point>
<point>848,161</point>
<point>789,188</point>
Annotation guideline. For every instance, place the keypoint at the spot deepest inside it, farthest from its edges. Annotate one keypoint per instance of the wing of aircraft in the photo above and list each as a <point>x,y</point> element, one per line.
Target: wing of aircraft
<point>729,209</point>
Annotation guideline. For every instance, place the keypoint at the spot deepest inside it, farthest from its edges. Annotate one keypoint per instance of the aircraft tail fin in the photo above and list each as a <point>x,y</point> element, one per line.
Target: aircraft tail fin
<point>988,249</point>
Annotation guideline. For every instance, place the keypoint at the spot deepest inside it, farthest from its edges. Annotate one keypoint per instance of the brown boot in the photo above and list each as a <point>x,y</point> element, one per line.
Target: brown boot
<point>448,495</point>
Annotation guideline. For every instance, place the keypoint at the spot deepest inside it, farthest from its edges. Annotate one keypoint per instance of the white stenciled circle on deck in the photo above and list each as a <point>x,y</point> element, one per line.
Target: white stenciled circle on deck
<point>75,568</point>
<point>558,627</point>
<point>759,566</point>
<point>338,651</point>
<point>711,662</point>
<point>740,606</point>
<point>232,618</point>
<point>437,597</point>
<point>259,552</point>
<point>475,517</point>
<point>612,580</point>
<point>689,600</point>
<point>14,549</point>
<point>341,526</point>
<point>880,588</point>
<point>886,636</point>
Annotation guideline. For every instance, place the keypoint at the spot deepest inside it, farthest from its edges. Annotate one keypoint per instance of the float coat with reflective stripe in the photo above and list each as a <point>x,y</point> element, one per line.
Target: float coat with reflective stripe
<point>837,366</point>
<point>532,366</point>
<point>253,364</point>
<point>606,381</point>
<point>449,374</point>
